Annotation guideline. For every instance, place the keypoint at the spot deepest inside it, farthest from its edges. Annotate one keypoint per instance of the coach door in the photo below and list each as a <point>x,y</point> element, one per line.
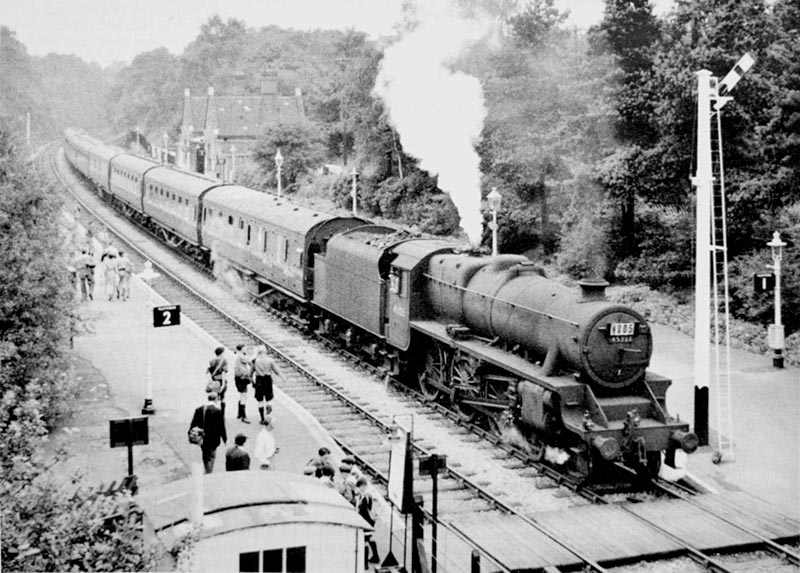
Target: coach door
<point>398,307</point>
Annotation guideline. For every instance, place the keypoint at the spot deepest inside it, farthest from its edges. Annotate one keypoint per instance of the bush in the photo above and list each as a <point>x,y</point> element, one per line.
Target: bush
<point>665,258</point>
<point>45,527</point>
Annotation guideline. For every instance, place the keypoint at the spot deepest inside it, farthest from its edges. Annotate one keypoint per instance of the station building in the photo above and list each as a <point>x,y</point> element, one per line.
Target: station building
<point>256,521</point>
<point>218,129</point>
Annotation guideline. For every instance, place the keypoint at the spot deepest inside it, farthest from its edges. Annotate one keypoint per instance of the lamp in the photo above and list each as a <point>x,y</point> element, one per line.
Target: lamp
<point>278,164</point>
<point>494,199</point>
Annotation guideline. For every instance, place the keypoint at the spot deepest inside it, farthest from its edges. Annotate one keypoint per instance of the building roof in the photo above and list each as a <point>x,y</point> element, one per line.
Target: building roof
<point>243,500</point>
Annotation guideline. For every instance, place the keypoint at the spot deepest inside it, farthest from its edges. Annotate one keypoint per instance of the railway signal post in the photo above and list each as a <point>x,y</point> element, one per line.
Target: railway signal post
<point>147,275</point>
<point>711,96</point>
<point>775,332</point>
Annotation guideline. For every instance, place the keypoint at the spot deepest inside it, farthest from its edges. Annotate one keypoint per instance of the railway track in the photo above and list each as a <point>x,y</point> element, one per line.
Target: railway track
<point>465,506</point>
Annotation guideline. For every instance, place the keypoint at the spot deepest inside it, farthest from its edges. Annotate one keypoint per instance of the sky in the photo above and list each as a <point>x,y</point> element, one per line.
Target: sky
<point>106,31</point>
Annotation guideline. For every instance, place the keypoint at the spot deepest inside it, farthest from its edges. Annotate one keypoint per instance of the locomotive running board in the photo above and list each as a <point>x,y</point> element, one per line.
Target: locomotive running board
<point>496,356</point>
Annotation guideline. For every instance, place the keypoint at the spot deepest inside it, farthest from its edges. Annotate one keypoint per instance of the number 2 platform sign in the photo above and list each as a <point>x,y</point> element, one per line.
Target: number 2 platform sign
<point>167,315</point>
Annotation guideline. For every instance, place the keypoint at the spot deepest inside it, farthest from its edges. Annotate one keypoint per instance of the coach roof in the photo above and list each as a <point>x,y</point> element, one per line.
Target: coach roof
<point>191,183</point>
<point>266,207</point>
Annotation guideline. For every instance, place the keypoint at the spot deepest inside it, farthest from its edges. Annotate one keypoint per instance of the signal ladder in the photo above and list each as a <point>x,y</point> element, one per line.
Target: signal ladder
<point>719,262</point>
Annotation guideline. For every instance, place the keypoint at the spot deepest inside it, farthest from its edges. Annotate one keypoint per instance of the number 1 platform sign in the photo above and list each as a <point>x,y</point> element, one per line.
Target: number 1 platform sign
<point>167,315</point>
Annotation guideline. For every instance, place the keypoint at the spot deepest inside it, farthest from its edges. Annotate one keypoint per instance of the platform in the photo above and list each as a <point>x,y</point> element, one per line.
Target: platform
<point>766,422</point>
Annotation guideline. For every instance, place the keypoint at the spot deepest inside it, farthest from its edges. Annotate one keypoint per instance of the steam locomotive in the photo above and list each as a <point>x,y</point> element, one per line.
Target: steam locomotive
<point>503,345</point>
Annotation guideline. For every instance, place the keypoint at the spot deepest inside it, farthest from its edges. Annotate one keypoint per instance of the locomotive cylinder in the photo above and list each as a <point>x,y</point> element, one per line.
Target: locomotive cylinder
<point>507,297</point>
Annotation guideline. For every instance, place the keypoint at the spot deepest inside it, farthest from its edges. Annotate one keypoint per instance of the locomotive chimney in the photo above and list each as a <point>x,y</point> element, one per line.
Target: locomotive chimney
<point>593,289</point>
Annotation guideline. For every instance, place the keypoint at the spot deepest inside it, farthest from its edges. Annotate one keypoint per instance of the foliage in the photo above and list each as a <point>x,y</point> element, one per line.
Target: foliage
<point>413,200</point>
<point>53,90</point>
<point>147,93</point>
<point>52,526</point>
<point>663,244</point>
<point>759,308</point>
<point>300,145</point>
<point>545,125</point>
<point>44,527</point>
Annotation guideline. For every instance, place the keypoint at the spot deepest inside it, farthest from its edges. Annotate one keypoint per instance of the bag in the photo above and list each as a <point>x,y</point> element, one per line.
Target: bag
<point>213,386</point>
<point>197,433</point>
<point>196,436</point>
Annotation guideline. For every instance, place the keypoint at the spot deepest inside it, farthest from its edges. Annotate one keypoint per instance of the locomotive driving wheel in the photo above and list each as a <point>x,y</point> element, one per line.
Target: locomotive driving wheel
<point>465,377</point>
<point>437,360</point>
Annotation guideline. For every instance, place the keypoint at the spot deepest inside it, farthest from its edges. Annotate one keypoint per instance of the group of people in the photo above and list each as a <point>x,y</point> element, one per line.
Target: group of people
<point>210,419</point>
<point>353,485</point>
<point>258,370</point>
<point>116,272</point>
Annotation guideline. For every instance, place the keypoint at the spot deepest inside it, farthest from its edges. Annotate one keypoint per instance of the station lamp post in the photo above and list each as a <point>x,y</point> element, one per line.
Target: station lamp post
<point>354,173</point>
<point>278,164</point>
<point>147,275</point>
<point>494,198</point>
<point>166,147</point>
<point>775,332</point>
<point>233,162</point>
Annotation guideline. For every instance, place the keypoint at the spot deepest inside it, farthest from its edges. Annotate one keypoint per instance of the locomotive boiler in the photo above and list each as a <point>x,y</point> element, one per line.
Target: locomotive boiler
<point>572,364</point>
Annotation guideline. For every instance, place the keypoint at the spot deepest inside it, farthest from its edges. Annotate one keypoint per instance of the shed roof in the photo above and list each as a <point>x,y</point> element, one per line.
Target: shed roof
<point>246,499</point>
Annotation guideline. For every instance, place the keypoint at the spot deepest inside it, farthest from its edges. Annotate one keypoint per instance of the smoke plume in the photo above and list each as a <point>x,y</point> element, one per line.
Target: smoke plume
<point>438,112</point>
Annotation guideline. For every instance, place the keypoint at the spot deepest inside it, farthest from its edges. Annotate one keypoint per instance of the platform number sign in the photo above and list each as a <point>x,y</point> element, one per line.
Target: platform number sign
<point>167,315</point>
<point>764,282</point>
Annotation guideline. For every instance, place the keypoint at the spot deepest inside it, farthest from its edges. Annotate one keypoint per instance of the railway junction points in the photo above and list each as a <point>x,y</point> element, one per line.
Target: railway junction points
<point>110,360</point>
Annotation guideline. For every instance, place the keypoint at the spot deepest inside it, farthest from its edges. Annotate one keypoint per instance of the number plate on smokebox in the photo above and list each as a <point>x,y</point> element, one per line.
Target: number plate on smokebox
<point>621,329</point>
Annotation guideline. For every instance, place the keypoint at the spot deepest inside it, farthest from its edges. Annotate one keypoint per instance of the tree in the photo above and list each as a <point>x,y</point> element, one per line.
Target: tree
<point>547,121</point>
<point>300,145</point>
<point>147,93</point>
<point>45,526</point>
<point>629,31</point>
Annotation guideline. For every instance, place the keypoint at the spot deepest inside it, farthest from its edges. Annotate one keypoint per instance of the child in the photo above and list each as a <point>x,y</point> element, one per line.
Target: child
<point>265,445</point>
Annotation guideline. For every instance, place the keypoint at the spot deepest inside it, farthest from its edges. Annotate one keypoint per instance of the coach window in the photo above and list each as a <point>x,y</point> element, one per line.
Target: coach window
<point>396,281</point>
<point>265,240</point>
<point>230,219</point>
<point>248,234</point>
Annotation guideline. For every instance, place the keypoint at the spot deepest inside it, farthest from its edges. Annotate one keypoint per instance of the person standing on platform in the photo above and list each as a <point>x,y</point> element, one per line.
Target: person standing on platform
<point>111,275</point>
<point>265,446</point>
<point>217,370</point>
<point>263,371</point>
<point>84,266</point>
<point>366,509</point>
<point>242,374</point>
<point>124,272</point>
<point>237,458</point>
<point>209,418</point>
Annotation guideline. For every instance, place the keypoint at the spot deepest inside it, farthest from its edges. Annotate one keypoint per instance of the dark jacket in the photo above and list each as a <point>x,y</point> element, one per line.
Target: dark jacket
<point>213,425</point>
<point>236,459</point>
